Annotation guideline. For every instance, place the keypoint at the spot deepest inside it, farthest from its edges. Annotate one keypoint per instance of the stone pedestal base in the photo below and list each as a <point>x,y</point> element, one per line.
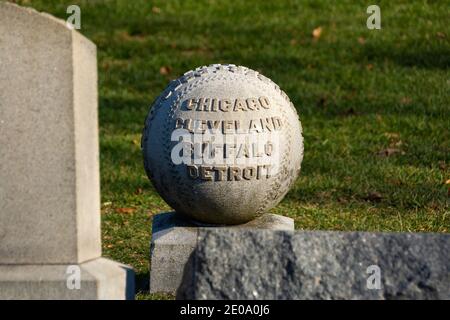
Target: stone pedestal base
<point>174,238</point>
<point>98,279</point>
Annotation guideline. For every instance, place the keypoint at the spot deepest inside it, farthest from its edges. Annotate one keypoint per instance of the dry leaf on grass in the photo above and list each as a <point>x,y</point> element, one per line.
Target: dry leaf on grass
<point>317,32</point>
<point>125,210</point>
<point>164,70</point>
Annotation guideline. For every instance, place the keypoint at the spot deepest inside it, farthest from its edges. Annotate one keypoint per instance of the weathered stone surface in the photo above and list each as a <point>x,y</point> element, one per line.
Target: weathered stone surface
<point>248,264</point>
<point>99,279</point>
<point>49,166</point>
<point>49,169</point>
<point>241,117</point>
<point>174,238</point>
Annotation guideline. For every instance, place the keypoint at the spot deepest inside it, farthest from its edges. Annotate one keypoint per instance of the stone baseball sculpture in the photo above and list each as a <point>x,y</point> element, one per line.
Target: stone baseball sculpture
<point>222,144</point>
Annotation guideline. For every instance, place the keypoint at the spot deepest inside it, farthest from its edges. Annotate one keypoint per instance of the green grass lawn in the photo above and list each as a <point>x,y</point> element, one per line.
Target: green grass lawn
<point>374,105</point>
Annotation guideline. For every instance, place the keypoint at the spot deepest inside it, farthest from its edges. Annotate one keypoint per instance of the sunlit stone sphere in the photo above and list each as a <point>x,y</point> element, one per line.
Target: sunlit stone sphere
<point>222,144</point>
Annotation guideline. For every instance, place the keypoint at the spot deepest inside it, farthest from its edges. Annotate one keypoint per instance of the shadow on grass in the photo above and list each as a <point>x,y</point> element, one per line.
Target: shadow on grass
<point>409,55</point>
<point>142,282</point>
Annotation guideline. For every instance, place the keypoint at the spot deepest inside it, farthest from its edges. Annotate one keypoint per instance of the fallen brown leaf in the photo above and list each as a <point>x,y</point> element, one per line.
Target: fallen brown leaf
<point>361,40</point>
<point>156,10</point>
<point>125,210</point>
<point>317,32</point>
<point>165,70</point>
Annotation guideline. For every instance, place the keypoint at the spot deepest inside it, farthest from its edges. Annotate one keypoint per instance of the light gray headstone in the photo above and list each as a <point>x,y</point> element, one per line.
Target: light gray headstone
<point>252,264</point>
<point>174,238</point>
<point>49,170</point>
<point>49,161</point>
